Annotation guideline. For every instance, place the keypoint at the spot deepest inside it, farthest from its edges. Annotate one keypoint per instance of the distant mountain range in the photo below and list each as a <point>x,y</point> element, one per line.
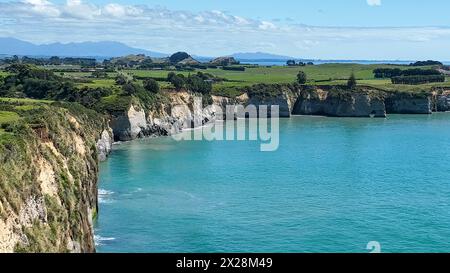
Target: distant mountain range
<point>259,56</point>
<point>12,46</point>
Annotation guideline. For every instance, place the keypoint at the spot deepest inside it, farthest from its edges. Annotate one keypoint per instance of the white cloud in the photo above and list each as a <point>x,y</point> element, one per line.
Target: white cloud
<point>39,7</point>
<point>78,9</point>
<point>120,11</point>
<point>266,25</point>
<point>374,2</point>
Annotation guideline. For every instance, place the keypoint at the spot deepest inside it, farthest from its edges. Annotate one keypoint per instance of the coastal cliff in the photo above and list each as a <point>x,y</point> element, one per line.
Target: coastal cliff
<point>184,110</point>
<point>181,110</point>
<point>408,103</point>
<point>340,104</point>
<point>443,101</point>
<point>284,96</point>
<point>339,101</point>
<point>48,174</point>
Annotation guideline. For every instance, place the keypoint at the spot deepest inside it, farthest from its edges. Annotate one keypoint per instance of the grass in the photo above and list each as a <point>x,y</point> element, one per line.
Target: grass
<point>7,117</point>
<point>19,168</point>
<point>280,74</point>
<point>60,67</point>
<point>324,74</point>
<point>3,73</point>
<point>96,83</point>
<point>84,74</point>
<point>25,101</point>
<point>27,107</point>
<point>20,108</point>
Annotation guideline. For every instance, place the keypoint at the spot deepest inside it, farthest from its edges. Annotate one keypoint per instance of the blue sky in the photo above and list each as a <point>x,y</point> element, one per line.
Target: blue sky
<point>326,29</point>
<point>322,12</point>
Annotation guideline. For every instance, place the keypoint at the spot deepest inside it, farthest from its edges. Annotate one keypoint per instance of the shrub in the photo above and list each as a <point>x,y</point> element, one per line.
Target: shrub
<point>99,74</point>
<point>234,68</point>
<point>177,80</point>
<point>351,83</point>
<point>121,79</point>
<point>197,84</point>
<point>151,85</point>
<point>129,89</point>
<point>301,77</point>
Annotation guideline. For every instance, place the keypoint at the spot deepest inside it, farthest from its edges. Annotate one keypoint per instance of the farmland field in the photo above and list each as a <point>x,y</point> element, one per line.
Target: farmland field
<point>282,74</point>
<point>324,74</point>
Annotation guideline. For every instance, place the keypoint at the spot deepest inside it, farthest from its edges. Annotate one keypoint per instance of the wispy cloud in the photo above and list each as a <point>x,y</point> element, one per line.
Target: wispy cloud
<point>374,2</point>
<point>212,32</point>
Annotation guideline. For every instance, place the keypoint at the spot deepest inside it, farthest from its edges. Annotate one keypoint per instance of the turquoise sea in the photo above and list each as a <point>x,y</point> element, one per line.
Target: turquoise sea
<point>334,185</point>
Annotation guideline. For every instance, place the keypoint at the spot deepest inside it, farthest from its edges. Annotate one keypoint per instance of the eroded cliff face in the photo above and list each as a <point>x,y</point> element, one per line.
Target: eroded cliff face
<point>185,110</point>
<point>128,125</point>
<point>408,103</point>
<point>350,104</point>
<point>105,143</point>
<point>285,101</point>
<point>182,110</point>
<point>443,101</point>
<point>338,101</point>
<point>48,181</point>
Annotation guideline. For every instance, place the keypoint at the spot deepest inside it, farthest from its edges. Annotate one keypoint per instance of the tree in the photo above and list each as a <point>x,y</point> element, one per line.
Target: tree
<point>301,77</point>
<point>121,79</point>
<point>177,80</point>
<point>197,84</point>
<point>351,83</point>
<point>151,85</point>
<point>129,89</point>
<point>291,62</point>
<point>429,62</point>
<point>55,60</point>
<point>146,63</point>
<point>170,76</point>
<point>99,74</point>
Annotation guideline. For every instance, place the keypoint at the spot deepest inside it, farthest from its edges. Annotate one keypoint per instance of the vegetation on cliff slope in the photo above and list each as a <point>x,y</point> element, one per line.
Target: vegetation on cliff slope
<point>48,175</point>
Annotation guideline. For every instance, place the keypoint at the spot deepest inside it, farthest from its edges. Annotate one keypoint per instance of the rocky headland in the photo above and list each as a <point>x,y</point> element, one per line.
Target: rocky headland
<point>49,160</point>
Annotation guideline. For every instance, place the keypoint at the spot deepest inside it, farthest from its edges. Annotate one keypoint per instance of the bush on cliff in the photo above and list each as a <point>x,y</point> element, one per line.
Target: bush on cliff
<point>177,81</point>
<point>301,77</point>
<point>151,85</point>
<point>351,83</point>
<point>197,84</point>
<point>22,154</point>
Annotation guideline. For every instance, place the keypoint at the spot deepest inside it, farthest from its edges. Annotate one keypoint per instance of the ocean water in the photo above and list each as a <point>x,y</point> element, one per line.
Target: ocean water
<point>334,185</point>
<point>317,62</point>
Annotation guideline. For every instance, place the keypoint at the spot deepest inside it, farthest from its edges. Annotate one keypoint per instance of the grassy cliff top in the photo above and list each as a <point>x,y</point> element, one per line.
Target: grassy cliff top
<point>234,81</point>
<point>98,90</point>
